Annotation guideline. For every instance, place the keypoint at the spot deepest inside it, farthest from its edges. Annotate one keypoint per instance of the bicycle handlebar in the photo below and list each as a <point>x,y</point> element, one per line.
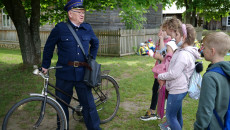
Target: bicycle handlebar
<point>55,67</point>
<point>38,71</point>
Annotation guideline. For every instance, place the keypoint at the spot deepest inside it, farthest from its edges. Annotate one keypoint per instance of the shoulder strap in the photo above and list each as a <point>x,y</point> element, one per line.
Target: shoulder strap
<point>218,119</point>
<point>76,37</point>
<point>220,71</point>
<point>192,72</point>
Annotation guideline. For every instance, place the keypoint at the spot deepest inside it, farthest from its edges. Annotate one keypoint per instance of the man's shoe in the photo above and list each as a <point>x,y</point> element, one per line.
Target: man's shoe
<point>149,116</point>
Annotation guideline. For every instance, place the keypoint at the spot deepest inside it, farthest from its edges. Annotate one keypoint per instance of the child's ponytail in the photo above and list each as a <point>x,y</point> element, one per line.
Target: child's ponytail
<point>191,34</point>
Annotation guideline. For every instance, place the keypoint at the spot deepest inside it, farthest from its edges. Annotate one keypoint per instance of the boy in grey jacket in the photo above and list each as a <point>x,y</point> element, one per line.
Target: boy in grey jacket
<point>215,90</point>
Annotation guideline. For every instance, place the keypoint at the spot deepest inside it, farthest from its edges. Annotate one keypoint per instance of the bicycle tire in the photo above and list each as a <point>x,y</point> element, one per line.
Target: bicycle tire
<point>23,114</point>
<point>107,107</point>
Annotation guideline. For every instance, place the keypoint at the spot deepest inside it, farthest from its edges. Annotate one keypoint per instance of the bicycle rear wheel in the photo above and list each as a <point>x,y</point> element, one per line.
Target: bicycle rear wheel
<point>24,114</point>
<point>107,98</point>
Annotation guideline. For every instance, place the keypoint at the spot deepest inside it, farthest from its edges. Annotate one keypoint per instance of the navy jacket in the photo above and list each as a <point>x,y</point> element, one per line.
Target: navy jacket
<point>69,50</point>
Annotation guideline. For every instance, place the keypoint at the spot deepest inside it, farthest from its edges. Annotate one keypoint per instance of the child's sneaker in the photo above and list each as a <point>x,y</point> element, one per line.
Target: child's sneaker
<point>165,127</point>
<point>163,124</point>
<point>149,116</point>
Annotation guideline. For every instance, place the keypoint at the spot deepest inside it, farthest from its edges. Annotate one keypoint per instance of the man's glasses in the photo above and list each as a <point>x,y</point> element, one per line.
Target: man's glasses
<point>83,13</point>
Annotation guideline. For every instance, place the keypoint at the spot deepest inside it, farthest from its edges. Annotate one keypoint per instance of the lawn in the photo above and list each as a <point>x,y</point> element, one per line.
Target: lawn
<point>133,74</point>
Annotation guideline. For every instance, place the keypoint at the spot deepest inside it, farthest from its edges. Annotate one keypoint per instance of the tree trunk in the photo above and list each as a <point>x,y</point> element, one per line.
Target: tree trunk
<point>193,18</point>
<point>187,12</point>
<point>34,29</point>
<point>28,34</point>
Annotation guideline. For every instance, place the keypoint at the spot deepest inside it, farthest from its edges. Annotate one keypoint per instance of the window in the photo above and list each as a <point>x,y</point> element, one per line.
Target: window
<point>6,21</point>
<point>228,20</point>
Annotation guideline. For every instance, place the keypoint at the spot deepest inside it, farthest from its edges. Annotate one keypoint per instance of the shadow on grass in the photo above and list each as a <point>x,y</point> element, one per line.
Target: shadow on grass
<point>16,82</point>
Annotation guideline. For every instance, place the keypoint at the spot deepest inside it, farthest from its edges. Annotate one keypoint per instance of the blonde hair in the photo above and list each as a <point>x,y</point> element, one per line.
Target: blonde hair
<point>173,24</point>
<point>191,35</point>
<point>218,40</point>
<point>176,25</point>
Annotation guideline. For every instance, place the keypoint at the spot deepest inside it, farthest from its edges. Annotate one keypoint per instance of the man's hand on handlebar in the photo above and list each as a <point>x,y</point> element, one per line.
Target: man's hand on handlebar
<point>44,70</point>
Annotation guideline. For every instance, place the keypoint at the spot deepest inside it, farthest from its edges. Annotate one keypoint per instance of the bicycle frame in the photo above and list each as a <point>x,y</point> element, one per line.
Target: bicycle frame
<point>45,93</point>
<point>102,98</point>
<point>48,102</point>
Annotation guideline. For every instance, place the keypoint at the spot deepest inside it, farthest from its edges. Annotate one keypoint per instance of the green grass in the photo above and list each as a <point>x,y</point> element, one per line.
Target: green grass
<point>133,74</point>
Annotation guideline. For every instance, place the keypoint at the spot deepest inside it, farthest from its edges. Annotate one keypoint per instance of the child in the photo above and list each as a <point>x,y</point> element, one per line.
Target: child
<point>172,26</point>
<point>151,45</point>
<point>215,90</point>
<point>150,114</point>
<point>181,66</point>
<point>143,49</point>
<point>161,68</point>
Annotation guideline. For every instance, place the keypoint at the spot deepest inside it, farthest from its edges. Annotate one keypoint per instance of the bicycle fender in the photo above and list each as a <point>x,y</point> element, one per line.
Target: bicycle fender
<point>40,95</point>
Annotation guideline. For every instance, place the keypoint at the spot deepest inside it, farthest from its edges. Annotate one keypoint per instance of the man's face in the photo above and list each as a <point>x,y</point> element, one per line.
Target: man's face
<point>77,16</point>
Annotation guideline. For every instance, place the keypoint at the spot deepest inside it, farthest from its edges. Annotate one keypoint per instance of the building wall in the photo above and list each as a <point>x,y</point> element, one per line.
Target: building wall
<point>104,20</point>
<point>214,24</point>
<point>11,27</point>
<point>154,18</point>
<point>110,19</point>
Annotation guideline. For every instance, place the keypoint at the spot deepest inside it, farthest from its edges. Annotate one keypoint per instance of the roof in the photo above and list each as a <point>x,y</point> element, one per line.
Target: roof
<point>173,10</point>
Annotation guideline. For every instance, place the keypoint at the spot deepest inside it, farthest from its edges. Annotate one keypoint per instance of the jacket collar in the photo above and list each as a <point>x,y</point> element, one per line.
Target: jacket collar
<point>75,27</point>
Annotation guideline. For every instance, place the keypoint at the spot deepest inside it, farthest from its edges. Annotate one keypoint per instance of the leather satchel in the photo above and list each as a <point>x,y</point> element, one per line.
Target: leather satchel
<point>92,76</point>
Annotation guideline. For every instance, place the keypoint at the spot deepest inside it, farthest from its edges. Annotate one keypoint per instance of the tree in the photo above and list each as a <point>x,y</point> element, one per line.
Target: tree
<point>27,29</point>
<point>25,15</point>
<point>208,9</point>
<point>190,12</point>
<point>214,9</point>
<point>132,15</point>
<point>28,15</point>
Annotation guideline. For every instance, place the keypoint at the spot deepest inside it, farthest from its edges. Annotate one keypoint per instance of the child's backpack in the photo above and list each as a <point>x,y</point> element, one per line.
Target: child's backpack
<point>194,86</point>
<point>226,125</point>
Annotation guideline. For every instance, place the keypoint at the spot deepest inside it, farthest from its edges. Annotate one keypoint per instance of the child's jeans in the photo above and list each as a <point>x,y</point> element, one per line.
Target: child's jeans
<point>174,111</point>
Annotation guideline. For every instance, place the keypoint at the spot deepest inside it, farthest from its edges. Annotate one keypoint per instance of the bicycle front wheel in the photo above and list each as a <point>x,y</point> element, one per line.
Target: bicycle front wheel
<point>24,115</point>
<point>107,98</point>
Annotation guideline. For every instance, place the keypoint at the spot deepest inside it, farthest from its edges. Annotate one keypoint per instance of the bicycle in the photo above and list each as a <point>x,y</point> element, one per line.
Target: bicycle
<point>40,111</point>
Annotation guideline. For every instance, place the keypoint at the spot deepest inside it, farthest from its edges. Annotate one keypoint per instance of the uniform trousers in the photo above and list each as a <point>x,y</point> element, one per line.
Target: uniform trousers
<point>86,100</point>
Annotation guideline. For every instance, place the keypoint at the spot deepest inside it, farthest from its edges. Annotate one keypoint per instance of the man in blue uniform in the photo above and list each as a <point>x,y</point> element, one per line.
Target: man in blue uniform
<point>72,59</point>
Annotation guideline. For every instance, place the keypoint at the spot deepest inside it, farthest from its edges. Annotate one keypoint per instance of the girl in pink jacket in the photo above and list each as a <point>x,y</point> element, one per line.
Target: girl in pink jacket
<point>181,66</point>
<point>160,45</point>
<point>161,68</point>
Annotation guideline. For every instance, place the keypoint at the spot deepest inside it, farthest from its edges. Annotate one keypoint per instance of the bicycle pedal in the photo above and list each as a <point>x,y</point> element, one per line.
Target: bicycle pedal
<point>78,110</point>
